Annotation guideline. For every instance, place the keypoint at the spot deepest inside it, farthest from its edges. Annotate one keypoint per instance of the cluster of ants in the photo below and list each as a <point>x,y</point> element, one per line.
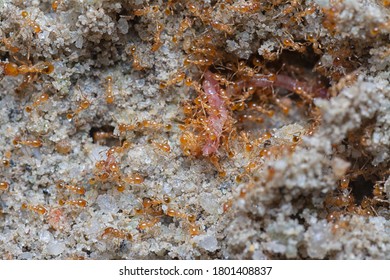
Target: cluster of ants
<point>342,201</point>
<point>233,93</point>
<point>30,73</point>
<point>229,95</point>
<point>151,211</point>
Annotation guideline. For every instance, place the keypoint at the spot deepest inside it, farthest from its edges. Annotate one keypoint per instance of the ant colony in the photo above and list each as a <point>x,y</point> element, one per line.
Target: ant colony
<point>119,129</point>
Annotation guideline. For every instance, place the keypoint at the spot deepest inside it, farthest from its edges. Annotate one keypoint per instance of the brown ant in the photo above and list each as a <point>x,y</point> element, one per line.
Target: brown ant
<point>157,40</point>
<point>222,27</point>
<point>184,25</point>
<point>136,61</point>
<point>55,4</point>
<point>142,225</point>
<point>102,136</point>
<point>251,7</point>
<point>4,185</point>
<point>146,10</point>
<point>30,143</point>
<point>134,179</point>
<point>29,71</point>
<point>75,202</point>
<point>178,78</point>
<point>39,209</point>
<point>291,45</point>
<point>317,47</point>
<point>36,28</point>
<point>63,147</point>
<point>162,146</point>
<point>113,232</point>
<point>192,227</point>
<point>118,149</point>
<point>72,188</point>
<point>42,98</point>
<point>83,105</point>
